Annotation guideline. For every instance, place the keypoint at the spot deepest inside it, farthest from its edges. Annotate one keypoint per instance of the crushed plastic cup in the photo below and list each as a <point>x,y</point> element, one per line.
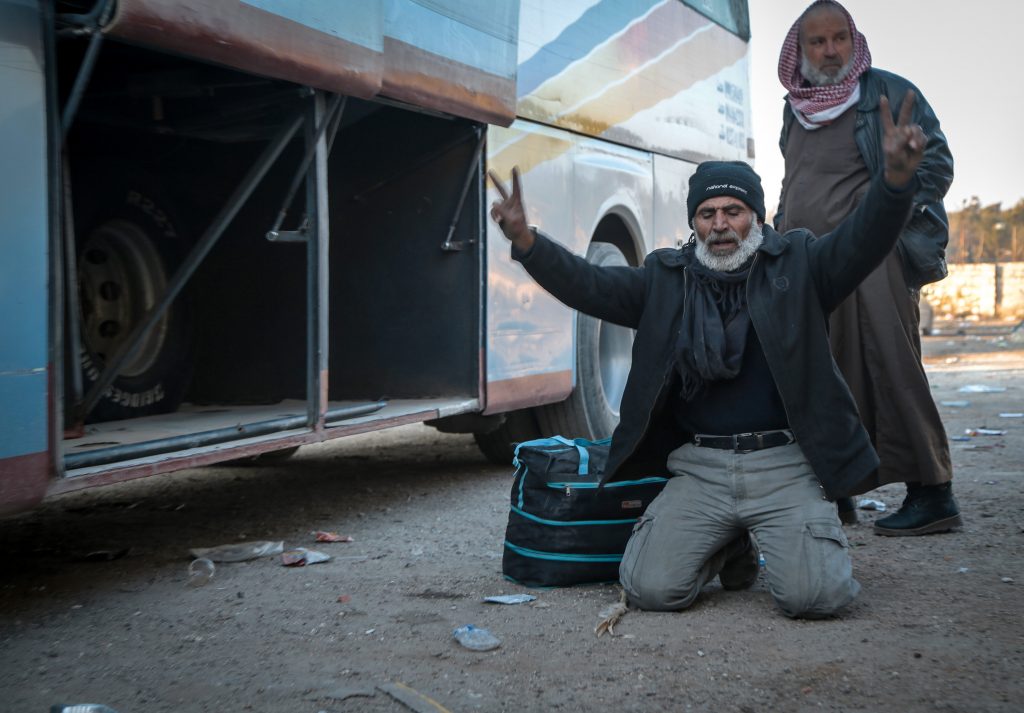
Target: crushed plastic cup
<point>475,638</point>
<point>200,572</point>
<point>240,551</point>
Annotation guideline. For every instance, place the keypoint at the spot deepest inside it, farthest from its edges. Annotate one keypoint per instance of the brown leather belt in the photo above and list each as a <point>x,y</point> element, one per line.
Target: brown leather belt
<point>745,442</point>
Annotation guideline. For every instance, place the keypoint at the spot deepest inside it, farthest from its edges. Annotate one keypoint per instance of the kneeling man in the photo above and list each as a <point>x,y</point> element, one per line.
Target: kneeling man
<point>732,385</point>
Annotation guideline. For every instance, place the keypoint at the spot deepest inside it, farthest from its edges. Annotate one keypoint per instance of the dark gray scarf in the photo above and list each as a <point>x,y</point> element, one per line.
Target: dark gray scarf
<point>714,327</point>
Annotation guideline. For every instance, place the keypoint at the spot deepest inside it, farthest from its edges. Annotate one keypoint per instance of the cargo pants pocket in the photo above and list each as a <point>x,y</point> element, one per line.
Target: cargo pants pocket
<point>828,582</point>
<point>636,546</point>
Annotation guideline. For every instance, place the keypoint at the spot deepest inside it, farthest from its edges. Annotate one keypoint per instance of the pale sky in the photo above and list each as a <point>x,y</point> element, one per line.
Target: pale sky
<point>965,57</point>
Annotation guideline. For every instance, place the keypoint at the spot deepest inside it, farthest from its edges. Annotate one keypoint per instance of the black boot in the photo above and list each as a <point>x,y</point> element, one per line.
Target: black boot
<point>847,511</point>
<point>741,567</point>
<point>925,510</point>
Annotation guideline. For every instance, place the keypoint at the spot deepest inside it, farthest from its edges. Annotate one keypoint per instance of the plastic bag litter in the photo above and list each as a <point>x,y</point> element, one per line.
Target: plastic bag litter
<point>300,557</point>
<point>981,389</point>
<point>1013,414</point>
<point>476,639</point>
<point>984,432</point>
<point>240,551</point>
<point>510,598</point>
<point>868,504</point>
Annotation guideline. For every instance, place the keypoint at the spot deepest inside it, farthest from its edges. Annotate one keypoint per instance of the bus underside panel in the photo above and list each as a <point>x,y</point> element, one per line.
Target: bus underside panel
<point>279,336</point>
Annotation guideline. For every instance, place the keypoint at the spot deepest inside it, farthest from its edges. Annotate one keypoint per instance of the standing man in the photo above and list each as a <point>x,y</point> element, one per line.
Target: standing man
<point>832,143</point>
<point>733,387</point>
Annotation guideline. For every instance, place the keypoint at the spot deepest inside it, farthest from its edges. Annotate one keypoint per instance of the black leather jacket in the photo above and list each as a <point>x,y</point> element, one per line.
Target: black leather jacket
<point>794,282</point>
<point>922,244</point>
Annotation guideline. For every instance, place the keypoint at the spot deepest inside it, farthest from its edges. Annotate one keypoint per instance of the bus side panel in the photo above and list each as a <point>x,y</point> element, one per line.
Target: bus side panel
<point>671,180</point>
<point>640,72</point>
<point>24,235</point>
<point>529,344</point>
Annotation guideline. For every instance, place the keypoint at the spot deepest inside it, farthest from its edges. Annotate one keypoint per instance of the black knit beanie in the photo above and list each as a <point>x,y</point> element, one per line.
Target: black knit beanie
<point>725,178</point>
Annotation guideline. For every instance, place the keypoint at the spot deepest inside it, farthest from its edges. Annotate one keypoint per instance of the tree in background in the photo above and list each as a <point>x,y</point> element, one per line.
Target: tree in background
<point>986,233</point>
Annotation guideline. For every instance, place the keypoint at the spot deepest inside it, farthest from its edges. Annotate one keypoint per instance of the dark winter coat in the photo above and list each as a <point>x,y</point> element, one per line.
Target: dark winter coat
<point>794,282</point>
<point>922,244</point>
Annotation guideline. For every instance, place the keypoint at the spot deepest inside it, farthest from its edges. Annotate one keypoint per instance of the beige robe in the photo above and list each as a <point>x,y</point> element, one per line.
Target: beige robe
<point>875,332</point>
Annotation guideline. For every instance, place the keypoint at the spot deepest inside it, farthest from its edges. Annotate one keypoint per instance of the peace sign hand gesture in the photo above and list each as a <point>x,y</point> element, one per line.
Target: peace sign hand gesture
<point>510,213</point>
<point>902,143</point>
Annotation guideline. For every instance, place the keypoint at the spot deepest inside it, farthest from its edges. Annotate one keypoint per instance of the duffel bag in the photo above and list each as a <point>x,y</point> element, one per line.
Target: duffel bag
<point>562,528</point>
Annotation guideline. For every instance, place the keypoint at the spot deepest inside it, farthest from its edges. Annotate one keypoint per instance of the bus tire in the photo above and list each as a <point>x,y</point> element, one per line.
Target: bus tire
<point>499,445</point>
<point>603,358</point>
<point>128,248</point>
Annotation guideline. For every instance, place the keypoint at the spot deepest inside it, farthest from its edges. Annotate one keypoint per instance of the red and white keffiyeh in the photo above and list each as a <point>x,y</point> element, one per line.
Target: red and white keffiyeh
<point>816,106</point>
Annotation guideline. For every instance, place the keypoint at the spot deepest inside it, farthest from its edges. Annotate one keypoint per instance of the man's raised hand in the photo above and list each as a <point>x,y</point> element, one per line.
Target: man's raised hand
<point>510,213</point>
<point>902,143</point>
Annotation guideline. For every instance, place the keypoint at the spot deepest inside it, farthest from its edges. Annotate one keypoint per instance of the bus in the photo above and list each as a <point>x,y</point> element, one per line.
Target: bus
<point>232,228</point>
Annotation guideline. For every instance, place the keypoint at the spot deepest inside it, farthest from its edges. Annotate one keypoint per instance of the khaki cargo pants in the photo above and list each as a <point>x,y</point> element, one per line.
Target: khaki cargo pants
<point>676,546</point>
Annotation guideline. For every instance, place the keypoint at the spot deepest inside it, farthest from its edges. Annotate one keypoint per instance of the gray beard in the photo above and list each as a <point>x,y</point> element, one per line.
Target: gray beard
<point>819,78</point>
<point>727,263</point>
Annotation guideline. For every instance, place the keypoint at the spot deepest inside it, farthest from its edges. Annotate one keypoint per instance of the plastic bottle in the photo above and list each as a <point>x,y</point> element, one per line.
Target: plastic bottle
<point>475,638</point>
<point>200,572</point>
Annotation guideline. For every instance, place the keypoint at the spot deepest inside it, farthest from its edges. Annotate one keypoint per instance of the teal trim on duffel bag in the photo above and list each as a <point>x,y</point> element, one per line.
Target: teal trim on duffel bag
<point>542,521</point>
<point>580,444</point>
<point>557,557</point>
<point>613,484</point>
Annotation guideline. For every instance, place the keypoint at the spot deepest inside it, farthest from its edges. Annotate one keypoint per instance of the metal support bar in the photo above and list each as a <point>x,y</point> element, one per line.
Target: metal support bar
<point>317,266</point>
<point>74,309</point>
<point>115,454</point>
<point>100,17</point>
<point>188,267</point>
<point>332,119</point>
<point>448,244</point>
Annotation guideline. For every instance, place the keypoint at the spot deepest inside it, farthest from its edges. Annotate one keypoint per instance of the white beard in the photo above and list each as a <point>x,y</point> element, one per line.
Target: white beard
<point>818,78</point>
<point>744,250</point>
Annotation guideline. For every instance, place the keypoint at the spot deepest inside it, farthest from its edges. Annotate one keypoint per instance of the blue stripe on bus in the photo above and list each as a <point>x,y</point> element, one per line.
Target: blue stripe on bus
<point>569,523</point>
<point>592,29</point>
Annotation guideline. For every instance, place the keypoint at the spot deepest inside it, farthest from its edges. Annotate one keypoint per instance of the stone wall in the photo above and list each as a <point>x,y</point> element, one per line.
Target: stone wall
<point>979,289</point>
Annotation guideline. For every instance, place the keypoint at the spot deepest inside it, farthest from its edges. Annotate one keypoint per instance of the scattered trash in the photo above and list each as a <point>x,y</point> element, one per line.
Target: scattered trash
<point>322,536</point>
<point>962,570</point>
<point>510,598</point>
<point>955,404</point>
<point>760,560</point>
<point>1006,580</point>
<point>475,638</point>
<point>700,653</point>
<point>1014,414</point>
<point>411,698</point>
<point>300,557</point>
<point>868,504</point>
<point>984,432</point>
<point>344,598</point>
<point>200,572</point>
<point>610,616</point>
<point>240,551</point>
<point>952,359</point>
<point>981,389</point>
<point>81,708</point>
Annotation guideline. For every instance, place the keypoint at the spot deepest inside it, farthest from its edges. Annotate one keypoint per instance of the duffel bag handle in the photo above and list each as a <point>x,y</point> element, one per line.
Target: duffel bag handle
<point>580,444</point>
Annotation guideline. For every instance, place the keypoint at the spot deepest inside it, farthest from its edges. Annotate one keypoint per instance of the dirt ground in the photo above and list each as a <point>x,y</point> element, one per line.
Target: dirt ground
<point>937,627</point>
